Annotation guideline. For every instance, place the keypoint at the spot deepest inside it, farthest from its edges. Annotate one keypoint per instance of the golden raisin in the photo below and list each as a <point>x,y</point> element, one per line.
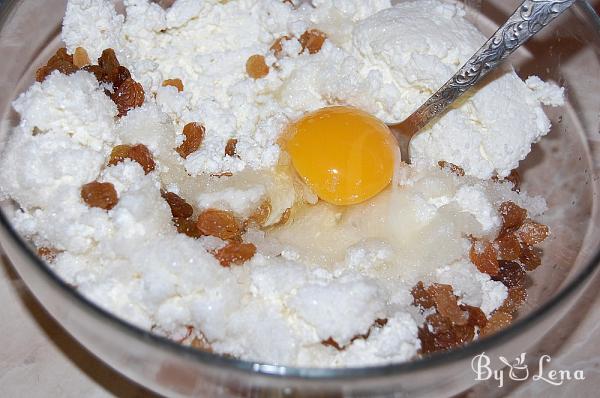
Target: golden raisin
<point>529,258</point>
<point>194,135</point>
<point>48,253</point>
<point>81,57</point>
<point>476,317</point>
<point>330,342</point>
<point>277,46</point>
<point>121,76</point>
<point>261,214</point>
<point>511,274</point>
<point>201,343</point>
<point>515,179</point>
<point>440,334</point>
<point>515,299</point>
<point>219,223</point>
<point>483,255</point>
<point>231,147</point>
<point>256,67</point>
<point>60,61</point>
<point>459,171</point>
<point>513,216</point>
<point>138,153</point>
<point>312,40</point>
<point>177,83</point>
<point>532,233</point>
<point>446,304</point>
<point>421,296</point>
<point>99,194</point>
<point>108,61</point>
<point>142,155</point>
<point>98,72</point>
<point>62,54</point>
<point>285,217</point>
<point>129,95</point>
<point>118,154</point>
<point>179,207</point>
<point>499,320</point>
<point>235,253</point>
<point>187,226</point>
<point>507,247</point>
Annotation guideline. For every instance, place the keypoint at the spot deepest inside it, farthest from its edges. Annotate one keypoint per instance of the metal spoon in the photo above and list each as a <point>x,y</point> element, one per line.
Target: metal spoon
<point>527,20</point>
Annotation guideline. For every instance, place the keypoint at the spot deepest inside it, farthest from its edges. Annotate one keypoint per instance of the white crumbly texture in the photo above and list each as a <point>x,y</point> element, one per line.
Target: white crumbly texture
<point>330,273</point>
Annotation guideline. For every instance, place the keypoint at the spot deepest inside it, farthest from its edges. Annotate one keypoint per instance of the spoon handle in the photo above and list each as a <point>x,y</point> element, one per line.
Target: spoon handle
<point>527,20</point>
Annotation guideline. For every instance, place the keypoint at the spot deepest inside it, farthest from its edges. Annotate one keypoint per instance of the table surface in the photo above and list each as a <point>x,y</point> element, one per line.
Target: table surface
<point>39,359</point>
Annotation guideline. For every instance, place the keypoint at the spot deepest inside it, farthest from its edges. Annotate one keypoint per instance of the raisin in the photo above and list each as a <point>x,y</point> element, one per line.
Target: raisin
<point>532,233</point>
<point>81,58</point>
<point>121,76</point>
<point>138,153</point>
<point>231,147</point>
<point>513,216</point>
<point>42,73</point>
<point>187,226</point>
<point>194,135</point>
<point>219,223</point>
<point>142,155</point>
<point>108,61</point>
<point>285,217</point>
<point>201,343</point>
<point>235,253</point>
<point>515,299</point>
<point>507,247</point>
<point>312,40</point>
<point>515,178</point>
<point>421,296</point>
<point>48,253</point>
<point>443,334</point>
<point>529,258</point>
<point>99,194</point>
<point>62,54</point>
<point>129,95</point>
<point>179,207</point>
<point>499,320</point>
<point>256,67</point>
<point>60,61</point>
<point>483,255</point>
<point>118,154</point>
<point>476,317</point>
<point>459,171</point>
<point>511,274</point>
<point>98,72</point>
<point>260,215</point>
<point>330,342</point>
<point>177,83</point>
<point>446,304</point>
<point>277,46</point>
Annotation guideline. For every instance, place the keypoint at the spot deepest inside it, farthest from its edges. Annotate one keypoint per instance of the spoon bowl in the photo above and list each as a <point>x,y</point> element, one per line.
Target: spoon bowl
<point>524,23</point>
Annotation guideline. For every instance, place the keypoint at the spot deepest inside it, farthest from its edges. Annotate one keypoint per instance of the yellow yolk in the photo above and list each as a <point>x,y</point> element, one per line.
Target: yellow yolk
<point>345,155</point>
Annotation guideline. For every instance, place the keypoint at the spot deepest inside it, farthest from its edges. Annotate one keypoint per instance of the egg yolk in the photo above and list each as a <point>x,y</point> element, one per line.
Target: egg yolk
<point>345,155</point>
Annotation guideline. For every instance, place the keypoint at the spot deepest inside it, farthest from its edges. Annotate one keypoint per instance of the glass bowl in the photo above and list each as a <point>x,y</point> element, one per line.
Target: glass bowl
<point>563,168</point>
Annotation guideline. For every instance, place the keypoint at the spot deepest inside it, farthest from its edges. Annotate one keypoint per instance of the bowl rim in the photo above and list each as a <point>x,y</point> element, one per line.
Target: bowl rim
<point>324,374</point>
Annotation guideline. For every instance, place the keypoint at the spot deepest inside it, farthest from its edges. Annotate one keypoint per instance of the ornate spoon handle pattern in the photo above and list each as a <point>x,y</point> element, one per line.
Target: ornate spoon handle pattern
<point>527,20</point>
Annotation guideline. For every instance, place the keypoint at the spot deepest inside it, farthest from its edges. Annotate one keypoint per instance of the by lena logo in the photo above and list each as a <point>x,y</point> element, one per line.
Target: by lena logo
<point>518,370</point>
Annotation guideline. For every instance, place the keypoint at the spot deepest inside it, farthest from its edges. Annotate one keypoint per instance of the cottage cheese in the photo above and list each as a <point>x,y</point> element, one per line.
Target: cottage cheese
<point>331,272</point>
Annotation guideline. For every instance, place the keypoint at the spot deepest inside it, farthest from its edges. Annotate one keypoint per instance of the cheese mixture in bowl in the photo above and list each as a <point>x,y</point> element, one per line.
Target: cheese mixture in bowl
<point>158,167</point>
